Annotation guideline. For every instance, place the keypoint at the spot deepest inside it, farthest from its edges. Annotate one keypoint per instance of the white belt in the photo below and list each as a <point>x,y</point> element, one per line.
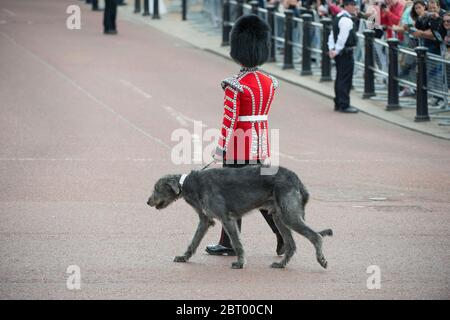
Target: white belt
<point>262,117</point>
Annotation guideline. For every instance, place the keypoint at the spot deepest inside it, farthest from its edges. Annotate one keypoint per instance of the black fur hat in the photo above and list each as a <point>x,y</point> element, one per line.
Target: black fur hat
<point>250,41</point>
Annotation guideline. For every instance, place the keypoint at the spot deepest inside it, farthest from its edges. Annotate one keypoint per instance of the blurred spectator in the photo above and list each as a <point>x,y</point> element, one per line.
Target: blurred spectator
<point>391,13</point>
<point>334,8</point>
<point>373,15</point>
<point>406,21</point>
<point>422,29</point>
<point>292,5</point>
<point>424,22</point>
<point>446,24</point>
<point>436,21</point>
<point>407,62</point>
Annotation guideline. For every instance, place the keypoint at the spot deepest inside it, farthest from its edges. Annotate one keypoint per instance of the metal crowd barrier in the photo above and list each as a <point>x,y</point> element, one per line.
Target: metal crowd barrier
<point>213,9</point>
<point>382,67</point>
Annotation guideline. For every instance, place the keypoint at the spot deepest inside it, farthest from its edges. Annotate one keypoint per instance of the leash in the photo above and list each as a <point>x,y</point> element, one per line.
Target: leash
<point>207,165</point>
<point>183,176</point>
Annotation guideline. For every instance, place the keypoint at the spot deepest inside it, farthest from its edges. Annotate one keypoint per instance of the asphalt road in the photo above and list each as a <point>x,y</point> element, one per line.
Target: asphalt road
<point>85,130</point>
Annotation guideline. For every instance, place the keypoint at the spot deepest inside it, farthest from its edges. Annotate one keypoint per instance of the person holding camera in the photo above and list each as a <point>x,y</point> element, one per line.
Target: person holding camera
<point>422,26</point>
<point>446,25</point>
<point>436,15</point>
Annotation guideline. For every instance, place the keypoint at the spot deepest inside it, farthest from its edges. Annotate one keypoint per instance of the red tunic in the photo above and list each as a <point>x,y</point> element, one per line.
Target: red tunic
<point>248,96</point>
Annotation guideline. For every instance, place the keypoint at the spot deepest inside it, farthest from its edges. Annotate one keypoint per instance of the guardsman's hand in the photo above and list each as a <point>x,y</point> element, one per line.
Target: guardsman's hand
<point>217,154</point>
<point>332,54</point>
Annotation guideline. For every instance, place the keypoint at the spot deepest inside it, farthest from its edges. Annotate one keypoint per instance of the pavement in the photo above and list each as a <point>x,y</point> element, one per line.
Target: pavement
<point>87,126</point>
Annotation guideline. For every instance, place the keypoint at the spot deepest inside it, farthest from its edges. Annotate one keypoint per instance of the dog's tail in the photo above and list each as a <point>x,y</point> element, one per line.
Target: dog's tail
<point>326,232</point>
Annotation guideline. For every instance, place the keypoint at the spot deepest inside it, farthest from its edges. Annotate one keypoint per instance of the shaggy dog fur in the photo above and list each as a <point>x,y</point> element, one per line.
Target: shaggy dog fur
<point>227,194</point>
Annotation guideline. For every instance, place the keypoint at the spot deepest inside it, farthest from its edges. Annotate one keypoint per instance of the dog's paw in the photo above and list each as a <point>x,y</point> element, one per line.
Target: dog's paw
<point>277,265</point>
<point>180,259</point>
<point>237,265</point>
<point>323,262</point>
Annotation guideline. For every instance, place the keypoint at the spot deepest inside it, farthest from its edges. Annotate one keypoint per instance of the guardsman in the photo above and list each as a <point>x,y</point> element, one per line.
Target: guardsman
<point>248,96</point>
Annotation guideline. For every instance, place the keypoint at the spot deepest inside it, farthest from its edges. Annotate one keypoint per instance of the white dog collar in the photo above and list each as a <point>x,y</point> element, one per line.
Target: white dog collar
<point>183,177</point>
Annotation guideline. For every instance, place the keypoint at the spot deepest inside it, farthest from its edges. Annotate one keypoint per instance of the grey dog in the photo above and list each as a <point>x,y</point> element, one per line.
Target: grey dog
<point>228,194</point>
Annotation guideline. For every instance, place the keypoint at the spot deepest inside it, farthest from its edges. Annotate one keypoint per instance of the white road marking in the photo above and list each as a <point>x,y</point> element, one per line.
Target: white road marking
<point>287,156</point>
<point>181,118</point>
<point>90,95</point>
<point>177,116</point>
<point>136,89</point>
<point>378,199</point>
<point>9,12</point>
<point>85,159</point>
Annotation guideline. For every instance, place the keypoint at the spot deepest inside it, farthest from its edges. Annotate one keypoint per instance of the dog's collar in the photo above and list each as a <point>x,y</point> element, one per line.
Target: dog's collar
<point>182,178</point>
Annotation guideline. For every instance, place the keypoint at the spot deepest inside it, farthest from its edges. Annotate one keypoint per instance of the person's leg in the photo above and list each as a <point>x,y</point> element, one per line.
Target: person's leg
<point>345,81</point>
<point>336,99</point>
<point>95,5</point>
<point>346,64</point>
<point>225,239</point>
<point>114,15</point>
<point>224,246</point>
<point>272,225</point>
<point>349,76</point>
<point>338,82</point>
<point>106,14</point>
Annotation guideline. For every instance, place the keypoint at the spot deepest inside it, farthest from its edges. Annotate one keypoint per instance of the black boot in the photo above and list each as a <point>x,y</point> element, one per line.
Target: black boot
<point>271,223</point>
<point>224,248</point>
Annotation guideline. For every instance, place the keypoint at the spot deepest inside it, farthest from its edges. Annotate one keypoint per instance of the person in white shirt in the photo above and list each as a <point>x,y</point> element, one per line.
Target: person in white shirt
<point>341,43</point>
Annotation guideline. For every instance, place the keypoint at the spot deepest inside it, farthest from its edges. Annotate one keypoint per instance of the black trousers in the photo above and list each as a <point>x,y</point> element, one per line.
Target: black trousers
<point>109,17</point>
<point>344,78</point>
<point>224,239</point>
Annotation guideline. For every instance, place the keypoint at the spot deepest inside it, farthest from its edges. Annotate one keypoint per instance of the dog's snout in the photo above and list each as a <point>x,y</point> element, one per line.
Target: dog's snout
<point>150,202</point>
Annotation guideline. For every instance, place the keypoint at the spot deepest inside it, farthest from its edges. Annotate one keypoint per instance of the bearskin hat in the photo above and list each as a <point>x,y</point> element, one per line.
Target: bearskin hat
<point>250,41</point>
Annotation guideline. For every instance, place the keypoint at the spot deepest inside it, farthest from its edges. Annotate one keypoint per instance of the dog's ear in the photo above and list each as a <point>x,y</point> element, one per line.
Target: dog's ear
<point>174,185</point>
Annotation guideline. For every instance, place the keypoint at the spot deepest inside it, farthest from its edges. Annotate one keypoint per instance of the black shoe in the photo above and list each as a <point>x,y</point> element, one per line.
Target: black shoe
<point>280,245</point>
<point>219,250</point>
<point>110,32</point>
<point>349,110</point>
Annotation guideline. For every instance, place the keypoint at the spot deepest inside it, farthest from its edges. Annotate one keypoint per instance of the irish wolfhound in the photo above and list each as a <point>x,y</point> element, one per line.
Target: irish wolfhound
<point>228,194</point>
